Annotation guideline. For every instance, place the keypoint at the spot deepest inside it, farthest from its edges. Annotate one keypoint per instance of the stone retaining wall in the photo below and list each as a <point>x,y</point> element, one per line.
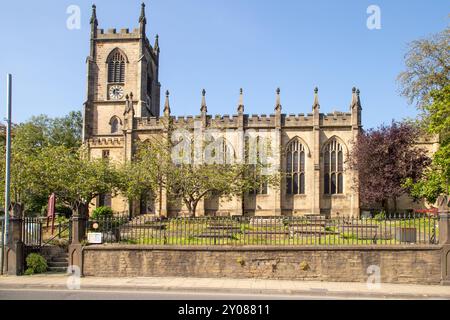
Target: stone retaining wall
<point>399,264</point>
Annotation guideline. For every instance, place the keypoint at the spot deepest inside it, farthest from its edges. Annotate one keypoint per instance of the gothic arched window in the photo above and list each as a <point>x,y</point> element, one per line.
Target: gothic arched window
<point>115,125</point>
<point>220,151</point>
<point>256,157</point>
<point>333,160</point>
<point>116,67</point>
<point>295,168</point>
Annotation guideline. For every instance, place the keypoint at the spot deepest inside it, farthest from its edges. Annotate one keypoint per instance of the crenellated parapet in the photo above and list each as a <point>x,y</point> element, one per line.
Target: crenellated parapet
<point>427,139</point>
<point>252,121</point>
<point>109,142</point>
<point>147,122</point>
<point>297,120</point>
<point>336,118</point>
<point>185,121</point>
<point>224,122</point>
<point>259,121</point>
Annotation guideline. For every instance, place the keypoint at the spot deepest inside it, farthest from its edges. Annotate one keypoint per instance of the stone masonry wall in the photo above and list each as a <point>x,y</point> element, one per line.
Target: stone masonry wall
<point>402,264</point>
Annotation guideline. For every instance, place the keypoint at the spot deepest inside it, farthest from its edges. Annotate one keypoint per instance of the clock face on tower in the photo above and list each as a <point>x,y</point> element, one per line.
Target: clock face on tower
<point>116,92</point>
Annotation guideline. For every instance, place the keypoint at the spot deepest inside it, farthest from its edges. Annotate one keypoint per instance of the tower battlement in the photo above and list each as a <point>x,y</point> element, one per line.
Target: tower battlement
<point>115,34</point>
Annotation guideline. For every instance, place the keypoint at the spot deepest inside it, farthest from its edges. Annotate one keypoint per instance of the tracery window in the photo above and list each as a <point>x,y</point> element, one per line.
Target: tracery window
<point>116,67</point>
<point>333,157</point>
<point>295,168</point>
<point>258,146</point>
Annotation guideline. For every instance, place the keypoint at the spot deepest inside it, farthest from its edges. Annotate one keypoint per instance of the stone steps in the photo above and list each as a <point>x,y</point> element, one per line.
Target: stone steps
<point>58,264</point>
<point>57,269</point>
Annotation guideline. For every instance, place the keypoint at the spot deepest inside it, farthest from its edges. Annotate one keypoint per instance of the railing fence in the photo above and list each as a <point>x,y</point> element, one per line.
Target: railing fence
<point>238,231</point>
<point>32,232</point>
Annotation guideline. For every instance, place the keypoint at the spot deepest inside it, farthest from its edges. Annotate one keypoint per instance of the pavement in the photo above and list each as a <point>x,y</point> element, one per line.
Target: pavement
<point>245,287</point>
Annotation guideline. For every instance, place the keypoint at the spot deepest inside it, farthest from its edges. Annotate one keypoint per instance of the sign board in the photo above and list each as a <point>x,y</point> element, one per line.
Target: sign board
<point>94,237</point>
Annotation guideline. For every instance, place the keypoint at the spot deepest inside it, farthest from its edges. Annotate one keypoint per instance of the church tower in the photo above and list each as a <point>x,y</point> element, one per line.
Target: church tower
<point>120,64</point>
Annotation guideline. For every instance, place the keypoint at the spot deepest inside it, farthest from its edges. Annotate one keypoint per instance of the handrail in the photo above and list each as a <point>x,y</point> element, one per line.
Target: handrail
<point>57,235</point>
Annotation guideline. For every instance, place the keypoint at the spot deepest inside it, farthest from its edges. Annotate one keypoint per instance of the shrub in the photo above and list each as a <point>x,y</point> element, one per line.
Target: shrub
<point>62,220</point>
<point>62,243</point>
<point>380,216</point>
<point>63,210</point>
<point>35,264</point>
<point>102,212</point>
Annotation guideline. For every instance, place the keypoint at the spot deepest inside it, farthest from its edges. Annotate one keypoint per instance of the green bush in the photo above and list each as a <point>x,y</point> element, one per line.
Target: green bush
<point>102,212</point>
<point>63,210</point>
<point>35,264</point>
<point>380,216</point>
<point>62,220</point>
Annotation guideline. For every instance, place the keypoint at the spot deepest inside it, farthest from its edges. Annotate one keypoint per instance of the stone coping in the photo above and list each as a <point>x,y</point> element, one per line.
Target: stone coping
<point>115,247</point>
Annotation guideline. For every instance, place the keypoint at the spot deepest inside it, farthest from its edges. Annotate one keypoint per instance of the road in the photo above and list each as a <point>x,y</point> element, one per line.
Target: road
<point>41,294</point>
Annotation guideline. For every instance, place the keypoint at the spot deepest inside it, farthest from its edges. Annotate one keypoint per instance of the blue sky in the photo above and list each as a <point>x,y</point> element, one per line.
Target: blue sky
<point>222,45</point>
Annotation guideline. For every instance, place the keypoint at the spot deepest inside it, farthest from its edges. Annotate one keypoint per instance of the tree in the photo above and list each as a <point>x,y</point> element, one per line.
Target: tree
<point>427,68</point>
<point>426,81</point>
<point>153,169</point>
<point>66,131</point>
<point>25,190</point>
<point>192,183</point>
<point>436,179</point>
<point>28,141</point>
<point>136,177</point>
<point>74,179</point>
<point>384,159</point>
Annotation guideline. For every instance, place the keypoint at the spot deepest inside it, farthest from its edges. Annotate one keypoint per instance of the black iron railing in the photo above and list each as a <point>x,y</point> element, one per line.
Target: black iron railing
<point>238,231</point>
<point>63,230</point>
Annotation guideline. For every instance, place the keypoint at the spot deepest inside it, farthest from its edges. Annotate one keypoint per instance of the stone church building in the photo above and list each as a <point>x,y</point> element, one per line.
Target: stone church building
<point>123,106</point>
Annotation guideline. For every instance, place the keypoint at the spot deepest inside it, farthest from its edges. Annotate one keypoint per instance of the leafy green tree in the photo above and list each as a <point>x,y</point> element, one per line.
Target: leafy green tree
<point>74,179</point>
<point>192,183</point>
<point>438,121</point>
<point>28,140</point>
<point>426,81</point>
<point>66,131</point>
<point>153,169</point>
<point>436,179</point>
<point>25,189</point>
<point>427,68</point>
<point>148,170</point>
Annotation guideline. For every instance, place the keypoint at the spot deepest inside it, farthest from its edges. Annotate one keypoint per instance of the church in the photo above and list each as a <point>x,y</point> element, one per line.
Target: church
<point>123,106</point>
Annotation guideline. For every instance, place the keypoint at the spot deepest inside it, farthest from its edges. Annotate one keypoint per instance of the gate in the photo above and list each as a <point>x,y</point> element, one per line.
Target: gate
<point>31,236</point>
<point>32,232</point>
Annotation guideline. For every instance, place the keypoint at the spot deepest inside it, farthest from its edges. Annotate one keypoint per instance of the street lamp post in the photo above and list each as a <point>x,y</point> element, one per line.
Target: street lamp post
<point>7,168</point>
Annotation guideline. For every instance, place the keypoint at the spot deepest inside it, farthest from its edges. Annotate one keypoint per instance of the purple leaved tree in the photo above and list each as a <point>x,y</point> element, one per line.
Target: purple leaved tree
<point>384,158</point>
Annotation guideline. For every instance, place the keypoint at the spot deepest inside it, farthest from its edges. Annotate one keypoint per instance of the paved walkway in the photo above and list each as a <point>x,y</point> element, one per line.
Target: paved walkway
<point>242,286</point>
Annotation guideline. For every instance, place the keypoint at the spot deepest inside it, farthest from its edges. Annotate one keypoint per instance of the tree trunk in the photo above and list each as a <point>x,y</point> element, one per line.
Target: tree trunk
<point>130,209</point>
<point>189,206</point>
<point>194,208</point>
<point>385,205</point>
<point>160,200</point>
<point>81,210</point>
<point>394,199</point>
<point>243,203</point>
